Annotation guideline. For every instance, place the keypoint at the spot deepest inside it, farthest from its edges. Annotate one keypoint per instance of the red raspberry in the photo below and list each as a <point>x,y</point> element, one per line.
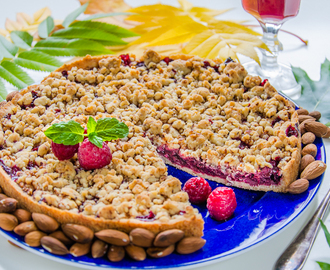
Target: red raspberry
<point>221,203</point>
<point>91,157</point>
<point>198,189</point>
<point>63,152</point>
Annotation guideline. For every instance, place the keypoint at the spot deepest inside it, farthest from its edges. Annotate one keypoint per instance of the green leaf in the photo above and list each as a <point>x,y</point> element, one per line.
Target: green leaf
<point>37,61</point>
<point>110,28</point>
<point>7,49</point>
<point>14,75</point>
<point>315,95</point>
<point>73,15</point>
<point>111,129</point>
<point>90,34</point>
<point>96,140</point>
<point>74,47</point>
<point>326,232</point>
<point>22,39</point>
<point>46,27</point>
<point>3,91</point>
<point>67,133</point>
<point>324,266</point>
<point>104,15</point>
<point>91,125</point>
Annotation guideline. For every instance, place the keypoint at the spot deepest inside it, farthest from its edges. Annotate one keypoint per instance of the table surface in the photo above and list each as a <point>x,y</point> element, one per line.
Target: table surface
<point>313,24</point>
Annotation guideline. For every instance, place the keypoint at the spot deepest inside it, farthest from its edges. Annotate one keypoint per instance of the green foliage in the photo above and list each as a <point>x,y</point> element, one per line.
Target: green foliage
<point>7,49</point>
<point>73,15</point>
<point>323,265</point>
<point>46,27</point>
<point>14,74</point>
<point>3,91</point>
<point>22,39</point>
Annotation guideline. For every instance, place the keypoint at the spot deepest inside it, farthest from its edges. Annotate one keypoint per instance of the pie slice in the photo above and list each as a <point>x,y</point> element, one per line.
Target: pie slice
<point>205,117</point>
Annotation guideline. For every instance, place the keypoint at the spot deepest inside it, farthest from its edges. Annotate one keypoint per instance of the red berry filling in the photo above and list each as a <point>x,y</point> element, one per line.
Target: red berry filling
<point>291,131</point>
<point>167,60</point>
<point>198,189</point>
<point>125,59</point>
<point>263,82</point>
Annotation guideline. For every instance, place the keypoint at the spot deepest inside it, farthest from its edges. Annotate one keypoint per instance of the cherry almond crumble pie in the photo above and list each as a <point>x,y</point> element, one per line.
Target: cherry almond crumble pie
<point>208,118</point>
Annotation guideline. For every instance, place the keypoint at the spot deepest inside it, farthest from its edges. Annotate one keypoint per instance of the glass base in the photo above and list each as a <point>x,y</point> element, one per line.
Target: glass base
<point>283,80</point>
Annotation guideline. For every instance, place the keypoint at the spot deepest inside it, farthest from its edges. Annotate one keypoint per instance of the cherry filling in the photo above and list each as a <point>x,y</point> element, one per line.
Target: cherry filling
<point>167,60</point>
<point>228,60</point>
<point>149,217</point>
<point>207,64</point>
<point>125,59</point>
<point>263,82</point>
<point>140,64</point>
<point>276,120</point>
<point>31,105</point>
<point>266,176</point>
<point>11,171</point>
<point>291,131</point>
<point>65,74</point>
<point>242,145</point>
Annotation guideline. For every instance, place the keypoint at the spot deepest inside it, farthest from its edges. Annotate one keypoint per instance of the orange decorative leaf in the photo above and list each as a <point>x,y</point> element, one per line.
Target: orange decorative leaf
<point>104,6</point>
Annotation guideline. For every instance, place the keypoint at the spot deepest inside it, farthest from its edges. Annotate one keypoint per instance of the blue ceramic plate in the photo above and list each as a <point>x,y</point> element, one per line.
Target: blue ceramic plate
<point>258,216</point>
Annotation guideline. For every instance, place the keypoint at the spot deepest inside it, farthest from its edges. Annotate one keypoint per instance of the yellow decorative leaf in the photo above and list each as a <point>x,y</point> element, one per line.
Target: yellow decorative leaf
<point>185,5</point>
<point>24,19</point>
<point>151,35</point>
<point>231,27</point>
<point>41,15</point>
<point>12,25</point>
<point>4,32</point>
<point>104,6</point>
<point>197,40</point>
<point>226,52</point>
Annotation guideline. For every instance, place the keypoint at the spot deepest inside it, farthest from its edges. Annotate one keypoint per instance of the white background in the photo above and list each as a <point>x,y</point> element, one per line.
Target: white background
<point>312,23</point>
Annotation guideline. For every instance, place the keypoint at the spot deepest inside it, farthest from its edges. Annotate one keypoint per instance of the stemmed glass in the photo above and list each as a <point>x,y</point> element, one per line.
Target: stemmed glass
<point>271,14</point>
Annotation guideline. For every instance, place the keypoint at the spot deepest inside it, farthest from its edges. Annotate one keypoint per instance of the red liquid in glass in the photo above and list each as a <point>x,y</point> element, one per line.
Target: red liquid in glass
<point>272,10</point>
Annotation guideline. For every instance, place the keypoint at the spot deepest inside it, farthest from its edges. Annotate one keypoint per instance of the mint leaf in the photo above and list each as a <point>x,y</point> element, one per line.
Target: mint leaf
<point>315,95</point>
<point>22,39</point>
<point>111,129</point>
<point>324,266</point>
<point>73,15</point>
<point>3,91</point>
<point>91,125</point>
<point>46,27</point>
<point>96,140</point>
<point>14,75</point>
<point>7,49</point>
<point>67,133</point>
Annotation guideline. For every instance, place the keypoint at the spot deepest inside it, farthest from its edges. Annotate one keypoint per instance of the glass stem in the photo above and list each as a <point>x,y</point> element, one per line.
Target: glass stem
<point>269,63</point>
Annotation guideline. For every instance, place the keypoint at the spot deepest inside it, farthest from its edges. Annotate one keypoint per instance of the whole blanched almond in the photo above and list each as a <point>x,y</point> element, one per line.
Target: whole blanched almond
<point>142,237</point>
<point>53,245</point>
<point>22,215</point>
<point>159,252</point>
<point>167,238</point>
<point>79,249</point>
<point>313,170</point>
<point>298,186</point>
<point>45,223</point>
<point>310,149</point>
<point>8,222</point>
<point>3,196</point>
<point>305,160</point>
<point>302,118</point>
<point>308,138</point>
<point>317,128</point>
<point>11,95</point>
<point>190,244</point>
<point>25,228</point>
<point>315,114</point>
<point>78,233</point>
<point>116,253</point>
<point>113,237</point>
<point>136,253</point>
<point>99,248</point>
<point>8,205</point>
<point>59,235</point>
<point>33,238</point>
<point>302,112</point>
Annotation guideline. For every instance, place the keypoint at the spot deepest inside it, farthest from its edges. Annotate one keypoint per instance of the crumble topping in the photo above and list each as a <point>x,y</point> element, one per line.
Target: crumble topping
<point>207,110</point>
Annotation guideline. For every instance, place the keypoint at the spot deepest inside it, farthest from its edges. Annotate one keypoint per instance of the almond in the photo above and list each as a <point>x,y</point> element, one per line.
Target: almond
<point>79,249</point>
<point>315,114</point>
<point>308,138</point>
<point>190,244</point>
<point>45,223</point>
<point>116,253</point>
<point>113,237</point>
<point>33,238</point>
<point>298,186</point>
<point>26,227</point>
<point>302,112</point>
<point>99,248</point>
<point>313,170</point>
<point>136,253</point>
<point>8,205</point>
<point>53,245</point>
<point>327,135</point>
<point>142,237</point>
<point>11,95</point>
<point>169,237</point>
<point>3,196</point>
<point>22,215</point>
<point>310,149</point>
<point>317,128</point>
<point>3,103</point>
<point>159,252</point>
<point>78,233</point>
<point>302,118</point>
<point>59,235</point>
<point>8,222</point>
<point>302,125</point>
<point>305,160</point>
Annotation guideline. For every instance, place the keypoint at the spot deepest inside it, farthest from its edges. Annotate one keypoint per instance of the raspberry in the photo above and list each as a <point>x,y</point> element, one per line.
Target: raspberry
<point>221,203</point>
<point>198,189</point>
<point>63,152</point>
<point>91,157</point>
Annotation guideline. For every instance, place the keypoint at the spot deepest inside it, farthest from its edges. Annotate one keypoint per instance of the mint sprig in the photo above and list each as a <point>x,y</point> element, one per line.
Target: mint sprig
<point>71,132</point>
